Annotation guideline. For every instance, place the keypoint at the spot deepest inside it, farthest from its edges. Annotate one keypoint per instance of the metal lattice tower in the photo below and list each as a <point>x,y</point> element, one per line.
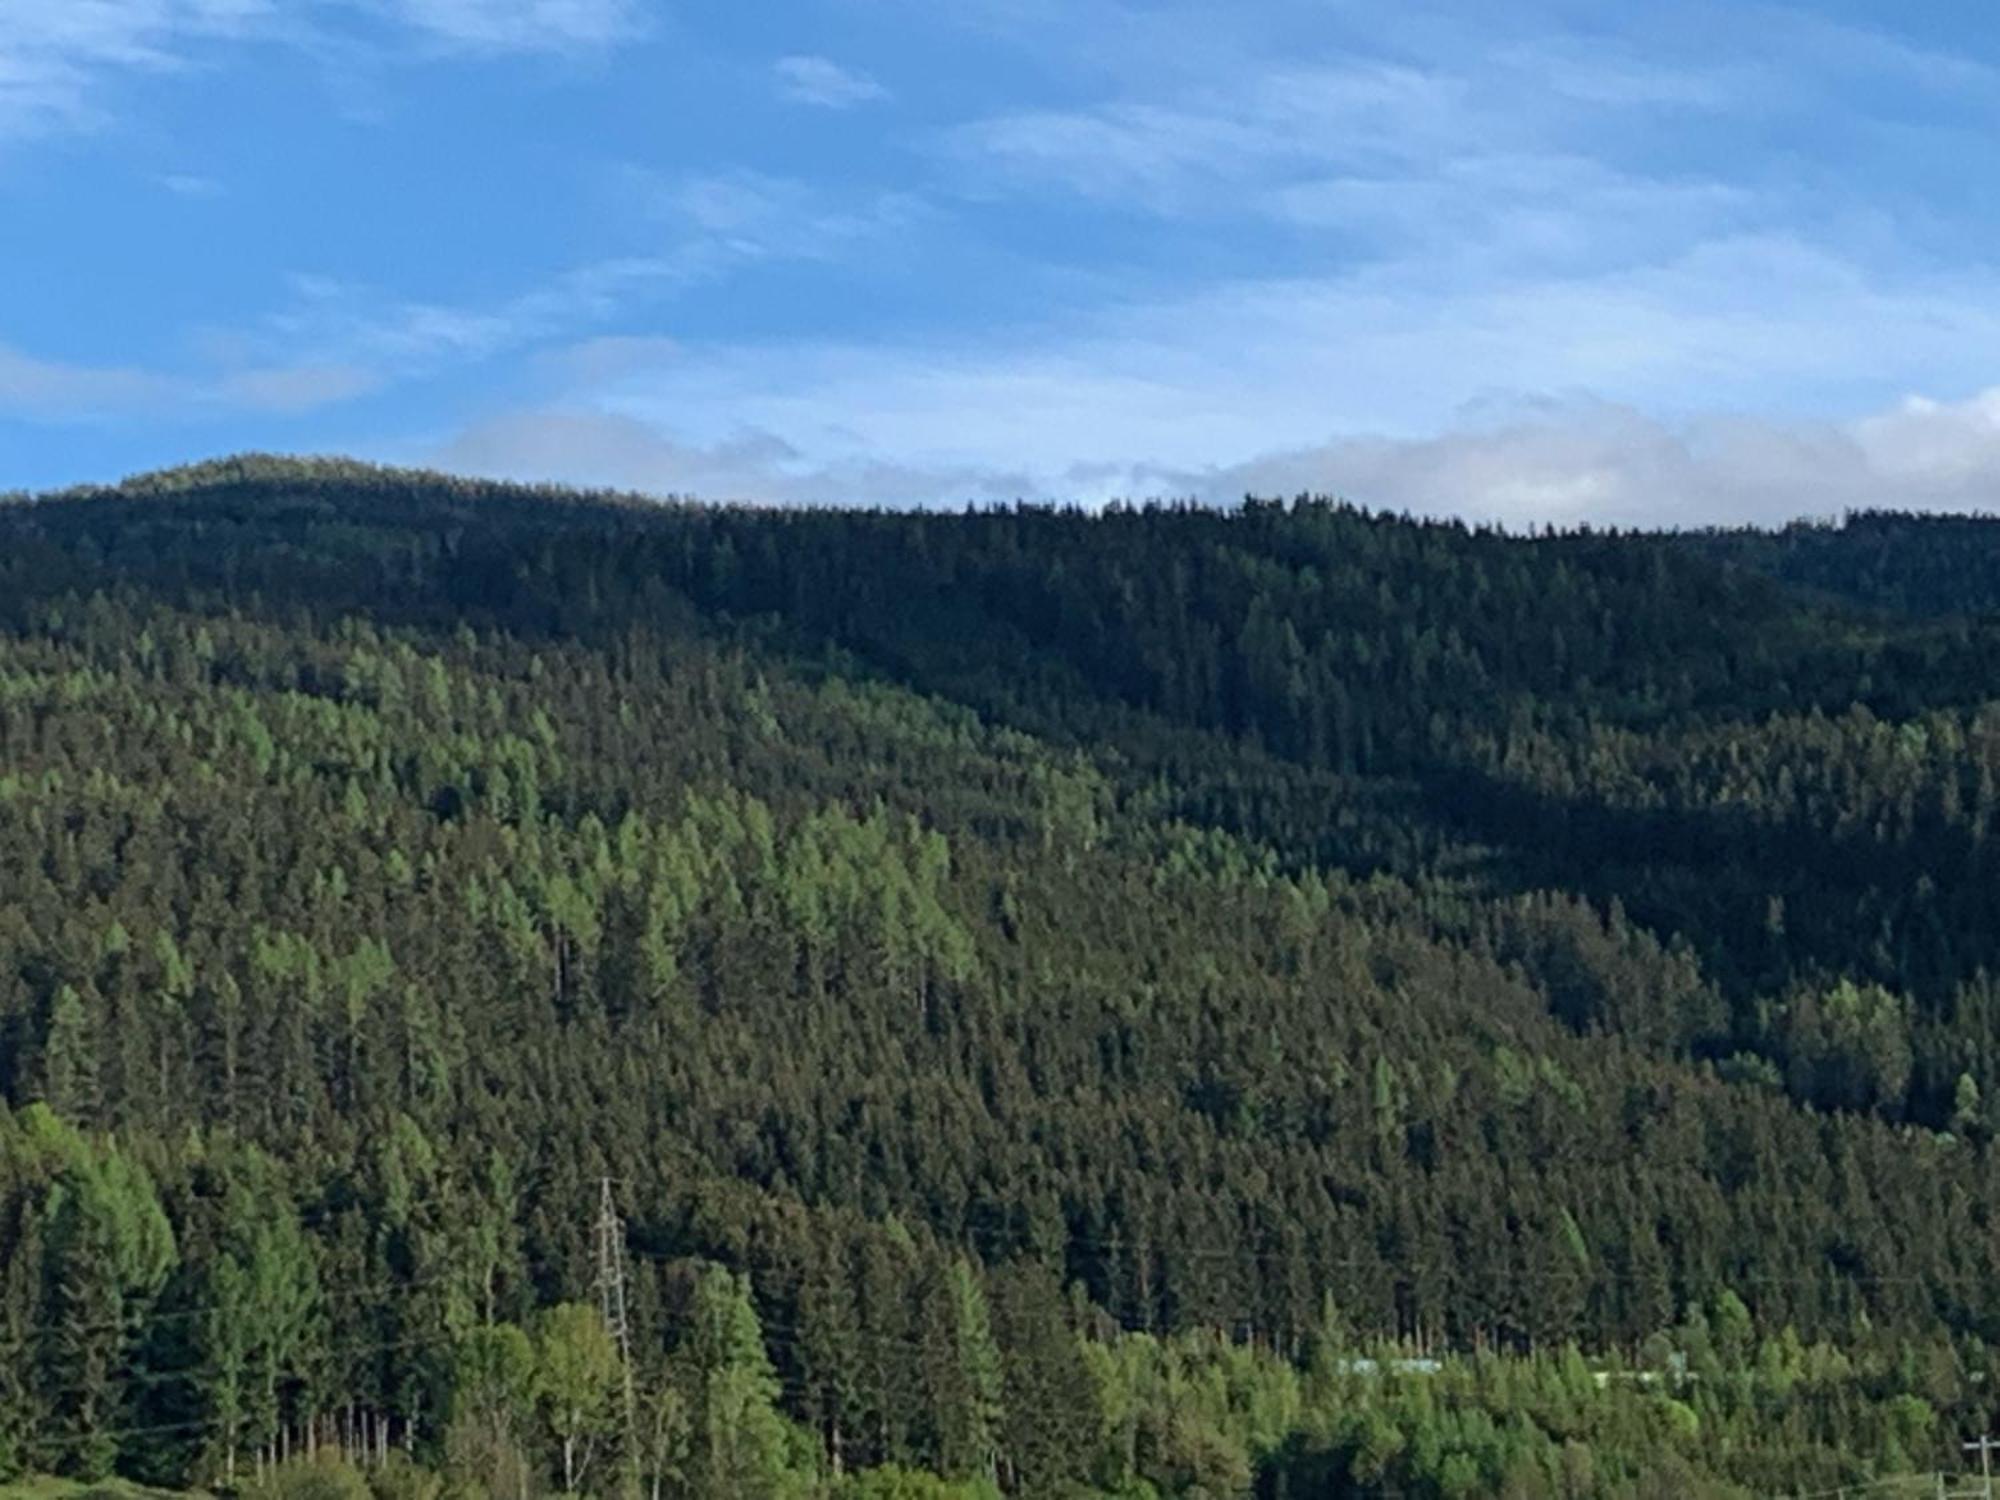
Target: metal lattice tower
<point>611,1302</point>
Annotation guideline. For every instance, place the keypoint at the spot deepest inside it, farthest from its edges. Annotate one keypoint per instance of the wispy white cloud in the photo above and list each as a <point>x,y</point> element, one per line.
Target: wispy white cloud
<point>189,185</point>
<point>62,391</point>
<point>823,82</point>
<point>57,55</point>
<point>1499,213</point>
<point>1249,137</point>
<point>603,450</point>
<point>331,325</point>
<point>1225,372</point>
<point>52,52</point>
<point>523,25</point>
<point>1357,384</point>
<point>1469,157</point>
<point>1203,155</point>
<point>289,389</point>
<point>745,215</point>
<point>609,357</point>
<point>720,222</point>
<point>1605,75</point>
<point>58,389</point>
<point>334,340</point>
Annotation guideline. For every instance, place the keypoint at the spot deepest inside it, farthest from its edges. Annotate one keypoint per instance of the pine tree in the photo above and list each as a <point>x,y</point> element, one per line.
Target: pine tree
<point>742,1450</point>
<point>972,1418</point>
<point>69,1058</point>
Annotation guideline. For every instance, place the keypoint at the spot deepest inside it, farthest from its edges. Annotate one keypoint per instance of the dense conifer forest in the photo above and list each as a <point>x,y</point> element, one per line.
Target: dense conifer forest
<point>1164,1002</point>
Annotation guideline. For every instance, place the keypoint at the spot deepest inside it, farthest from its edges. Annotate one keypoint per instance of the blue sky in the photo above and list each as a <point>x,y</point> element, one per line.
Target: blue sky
<point>1535,262</point>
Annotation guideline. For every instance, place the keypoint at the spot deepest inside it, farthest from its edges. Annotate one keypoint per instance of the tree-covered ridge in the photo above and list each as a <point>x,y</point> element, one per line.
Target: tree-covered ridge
<point>1916,564</point>
<point>1016,968</point>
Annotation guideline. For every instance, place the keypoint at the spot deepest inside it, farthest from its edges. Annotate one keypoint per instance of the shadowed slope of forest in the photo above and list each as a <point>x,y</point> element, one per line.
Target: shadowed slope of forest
<point>1062,1000</point>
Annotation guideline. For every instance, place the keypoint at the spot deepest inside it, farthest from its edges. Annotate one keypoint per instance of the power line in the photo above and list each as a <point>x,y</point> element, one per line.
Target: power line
<point>186,1373</point>
<point>198,1424</point>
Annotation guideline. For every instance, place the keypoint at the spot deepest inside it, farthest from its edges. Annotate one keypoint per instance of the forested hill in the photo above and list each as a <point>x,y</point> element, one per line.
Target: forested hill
<point>1062,1000</point>
<point>1929,565</point>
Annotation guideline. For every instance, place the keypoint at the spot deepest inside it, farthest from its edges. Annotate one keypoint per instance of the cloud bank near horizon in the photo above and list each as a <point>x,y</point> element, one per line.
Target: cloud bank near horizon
<point>1556,465</point>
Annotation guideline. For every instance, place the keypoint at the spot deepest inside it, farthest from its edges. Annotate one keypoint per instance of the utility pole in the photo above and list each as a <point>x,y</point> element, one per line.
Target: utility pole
<point>611,1302</point>
<point>1985,1445</point>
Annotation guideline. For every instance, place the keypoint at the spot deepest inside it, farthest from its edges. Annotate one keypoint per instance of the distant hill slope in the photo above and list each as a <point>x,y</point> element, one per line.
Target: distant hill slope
<point>1917,564</point>
<point>1515,940</point>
